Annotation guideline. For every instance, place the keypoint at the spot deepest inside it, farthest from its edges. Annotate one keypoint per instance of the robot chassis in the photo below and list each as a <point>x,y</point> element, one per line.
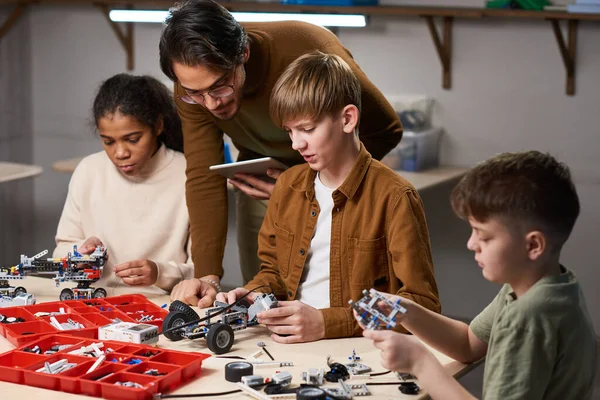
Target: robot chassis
<point>219,334</point>
<point>75,267</point>
<point>370,313</point>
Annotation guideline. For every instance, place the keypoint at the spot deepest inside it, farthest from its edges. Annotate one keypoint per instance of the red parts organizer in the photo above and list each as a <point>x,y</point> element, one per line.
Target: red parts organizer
<point>90,313</point>
<point>175,368</point>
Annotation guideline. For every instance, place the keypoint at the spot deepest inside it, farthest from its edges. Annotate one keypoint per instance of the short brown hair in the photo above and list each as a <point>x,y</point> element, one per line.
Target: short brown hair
<point>201,32</point>
<point>314,85</point>
<point>529,188</point>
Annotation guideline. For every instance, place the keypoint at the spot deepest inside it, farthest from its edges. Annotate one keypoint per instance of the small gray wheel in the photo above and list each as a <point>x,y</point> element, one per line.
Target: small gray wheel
<point>66,294</point>
<point>172,320</point>
<point>99,293</point>
<point>219,338</point>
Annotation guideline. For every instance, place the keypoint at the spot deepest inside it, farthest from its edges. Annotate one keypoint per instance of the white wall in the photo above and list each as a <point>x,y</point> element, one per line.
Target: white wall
<point>16,197</point>
<point>508,94</point>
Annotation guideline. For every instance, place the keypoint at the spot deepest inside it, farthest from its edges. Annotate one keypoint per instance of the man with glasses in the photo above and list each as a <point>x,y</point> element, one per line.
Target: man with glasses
<point>224,73</point>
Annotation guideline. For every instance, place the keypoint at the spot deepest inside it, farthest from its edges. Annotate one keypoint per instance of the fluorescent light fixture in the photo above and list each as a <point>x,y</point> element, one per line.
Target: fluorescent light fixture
<point>343,20</point>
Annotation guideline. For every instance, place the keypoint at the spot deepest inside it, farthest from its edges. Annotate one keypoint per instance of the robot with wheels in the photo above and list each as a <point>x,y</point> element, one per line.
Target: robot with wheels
<point>76,267</point>
<point>219,334</point>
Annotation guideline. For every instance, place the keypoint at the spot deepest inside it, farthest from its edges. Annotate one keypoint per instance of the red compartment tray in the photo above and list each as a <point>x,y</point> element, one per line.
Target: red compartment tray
<point>174,368</point>
<point>91,313</point>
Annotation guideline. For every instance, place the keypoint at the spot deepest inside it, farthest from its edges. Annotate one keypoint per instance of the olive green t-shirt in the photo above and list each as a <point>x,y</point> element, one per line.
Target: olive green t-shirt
<point>541,345</point>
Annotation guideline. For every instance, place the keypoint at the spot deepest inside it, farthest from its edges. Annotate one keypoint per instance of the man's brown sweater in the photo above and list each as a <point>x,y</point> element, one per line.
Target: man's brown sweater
<point>273,46</point>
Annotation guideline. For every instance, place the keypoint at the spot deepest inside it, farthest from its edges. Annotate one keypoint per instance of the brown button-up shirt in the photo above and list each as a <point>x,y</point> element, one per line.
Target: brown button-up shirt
<point>379,239</point>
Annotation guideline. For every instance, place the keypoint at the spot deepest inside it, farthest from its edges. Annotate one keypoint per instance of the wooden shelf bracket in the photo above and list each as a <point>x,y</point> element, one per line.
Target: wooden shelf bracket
<point>443,47</point>
<point>125,38</point>
<point>568,51</point>
<point>12,19</point>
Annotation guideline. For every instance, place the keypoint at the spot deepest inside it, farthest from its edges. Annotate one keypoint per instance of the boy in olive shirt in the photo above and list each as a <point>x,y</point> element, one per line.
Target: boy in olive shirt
<point>537,332</point>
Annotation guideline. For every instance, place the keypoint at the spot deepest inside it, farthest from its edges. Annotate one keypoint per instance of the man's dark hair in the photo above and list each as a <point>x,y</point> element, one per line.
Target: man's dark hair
<point>201,32</point>
<point>531,188</point>
<point>143,98</point>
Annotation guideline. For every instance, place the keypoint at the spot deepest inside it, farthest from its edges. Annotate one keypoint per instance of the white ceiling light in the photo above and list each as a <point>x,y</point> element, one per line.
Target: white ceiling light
<point>342,20</point>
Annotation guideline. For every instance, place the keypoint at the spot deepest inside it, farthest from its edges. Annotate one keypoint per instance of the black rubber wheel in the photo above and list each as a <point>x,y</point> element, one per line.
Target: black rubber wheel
<point>234,371</point>
<point>310,393</point>
<point>173,319</point>
<point>99,293</point>
<point>19,290</point>
<point>183,308</point>
<point>219,338</point>
<point>66,294</point>
<point>409,388</point>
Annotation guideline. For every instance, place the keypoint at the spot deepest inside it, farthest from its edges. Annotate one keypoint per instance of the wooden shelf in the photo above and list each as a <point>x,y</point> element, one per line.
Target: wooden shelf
<point>14,171</point>
<point>443,44</point>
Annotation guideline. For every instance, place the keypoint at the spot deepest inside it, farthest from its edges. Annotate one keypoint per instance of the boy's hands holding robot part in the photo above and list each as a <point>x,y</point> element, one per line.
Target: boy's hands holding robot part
<point>386,309</point>
<point>137,272</point>
<point>196,292</point>
<point>298,321</point>
<point>399,352</point>
<point>231,296</point>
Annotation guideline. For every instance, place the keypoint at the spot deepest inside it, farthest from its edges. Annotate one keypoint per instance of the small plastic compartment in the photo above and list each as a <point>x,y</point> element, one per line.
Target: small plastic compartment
<point>50,381</point>
<point>47,342</point>
<point>25,332</point>
<point>191,362</point>
<point>75,303</point>
<point>111,315</point>
<point>49,308</point>
<point>16,312</point>
<point>112,391</point>
<point>63,318</point>
<point>11,365</point>
<point>147,352</point>
<point>157,318</point>
<point>134,309</point>
<point>77,348</point>
<point>121,358</point>
<point>85,310</point>
<point>129,349</point>
<point>95,303</point>
<point>170,374</point>
<point>90,382</point>
<point>97,319</point>
<point>69,380</point>
<point>127,299</point>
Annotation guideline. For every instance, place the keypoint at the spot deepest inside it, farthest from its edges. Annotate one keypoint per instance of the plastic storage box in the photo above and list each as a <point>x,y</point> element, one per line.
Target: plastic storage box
<point>417,151</point>
<point>154,370</point>
<point>91,313</point>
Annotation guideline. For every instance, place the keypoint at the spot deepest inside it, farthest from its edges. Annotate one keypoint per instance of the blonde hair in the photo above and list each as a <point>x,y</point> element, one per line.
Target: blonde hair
<point>314,85</point>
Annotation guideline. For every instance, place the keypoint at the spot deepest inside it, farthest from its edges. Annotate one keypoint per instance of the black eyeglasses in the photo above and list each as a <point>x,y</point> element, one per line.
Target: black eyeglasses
<point>217,93</point>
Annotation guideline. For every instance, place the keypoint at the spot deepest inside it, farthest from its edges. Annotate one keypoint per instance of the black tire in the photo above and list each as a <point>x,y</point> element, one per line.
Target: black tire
<point>183,308</point>
<point>66,294</point>
<point>172,320</point>
<point>310,393</point>
<point>19,290</point>
<point>219,338</point>
<point>99,293</point>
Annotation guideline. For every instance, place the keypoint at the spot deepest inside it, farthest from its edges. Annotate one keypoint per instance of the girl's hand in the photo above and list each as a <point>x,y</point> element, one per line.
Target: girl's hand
<point>90,245</point>
<point>138,272</point>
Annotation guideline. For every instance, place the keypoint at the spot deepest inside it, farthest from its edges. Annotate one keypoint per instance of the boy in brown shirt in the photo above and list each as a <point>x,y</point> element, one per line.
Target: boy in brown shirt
<point>340,223</point>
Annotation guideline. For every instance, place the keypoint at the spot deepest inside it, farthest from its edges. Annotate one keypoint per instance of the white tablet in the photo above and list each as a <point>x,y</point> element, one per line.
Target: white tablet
<point>258,166</point>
